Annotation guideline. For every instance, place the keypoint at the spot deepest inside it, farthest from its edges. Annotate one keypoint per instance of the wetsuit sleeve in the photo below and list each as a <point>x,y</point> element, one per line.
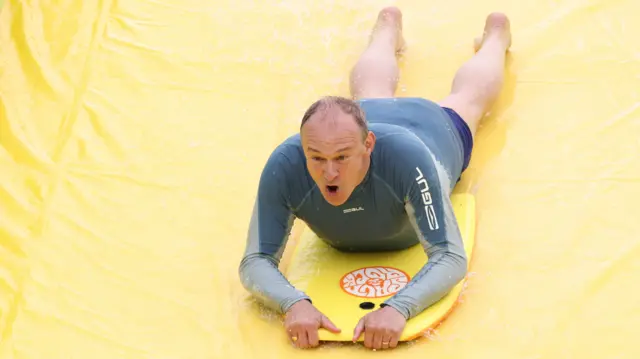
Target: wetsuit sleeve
<point>269,230</point>
<point>429,208</point>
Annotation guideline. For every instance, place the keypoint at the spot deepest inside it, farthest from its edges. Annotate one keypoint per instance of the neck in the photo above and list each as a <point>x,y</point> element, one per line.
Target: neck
<point>365,168</point>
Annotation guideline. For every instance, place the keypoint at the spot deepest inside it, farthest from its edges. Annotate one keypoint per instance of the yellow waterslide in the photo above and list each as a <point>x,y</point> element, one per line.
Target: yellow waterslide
<point>133,133</point>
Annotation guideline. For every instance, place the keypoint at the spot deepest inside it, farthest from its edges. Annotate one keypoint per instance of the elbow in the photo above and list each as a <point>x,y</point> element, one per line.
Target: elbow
<point>460,265</point>
<point>251,265</point>
<point>243,273</point>
<point>463,268</point>
<point>244,269</point>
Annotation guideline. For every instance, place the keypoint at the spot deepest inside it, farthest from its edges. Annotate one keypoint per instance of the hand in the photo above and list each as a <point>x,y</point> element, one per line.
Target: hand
<point>302,322</point>
<point>382,328</point>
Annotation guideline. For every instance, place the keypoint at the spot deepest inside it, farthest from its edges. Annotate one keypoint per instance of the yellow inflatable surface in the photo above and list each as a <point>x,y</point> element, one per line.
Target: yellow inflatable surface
<point>133,134</point>
<point>346,286</point>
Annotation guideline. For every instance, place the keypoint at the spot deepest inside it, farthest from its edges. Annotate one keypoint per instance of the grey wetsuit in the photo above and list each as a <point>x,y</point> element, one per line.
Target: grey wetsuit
<point>403,201</point>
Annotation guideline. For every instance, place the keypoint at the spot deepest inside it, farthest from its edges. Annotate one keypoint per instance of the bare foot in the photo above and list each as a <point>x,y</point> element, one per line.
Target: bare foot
<point>497,28</point>
<point>389,24</point>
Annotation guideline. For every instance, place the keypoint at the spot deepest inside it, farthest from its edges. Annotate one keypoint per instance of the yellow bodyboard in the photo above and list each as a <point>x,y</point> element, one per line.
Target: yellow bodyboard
<point>346,286</point>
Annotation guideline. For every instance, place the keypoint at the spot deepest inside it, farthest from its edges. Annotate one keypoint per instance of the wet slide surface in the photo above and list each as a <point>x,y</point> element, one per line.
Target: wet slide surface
<point>132,135</point>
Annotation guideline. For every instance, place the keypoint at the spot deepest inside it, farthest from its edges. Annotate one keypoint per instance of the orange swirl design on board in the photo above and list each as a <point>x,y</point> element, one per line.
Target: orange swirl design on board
<point>374,282</point>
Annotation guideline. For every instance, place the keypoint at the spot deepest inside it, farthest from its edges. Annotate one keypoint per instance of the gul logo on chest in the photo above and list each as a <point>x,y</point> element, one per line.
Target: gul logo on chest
<point>353,209</point>
<point>427,200</point>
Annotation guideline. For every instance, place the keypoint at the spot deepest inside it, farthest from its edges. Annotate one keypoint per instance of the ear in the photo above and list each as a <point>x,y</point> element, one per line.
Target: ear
<point>370,142</point>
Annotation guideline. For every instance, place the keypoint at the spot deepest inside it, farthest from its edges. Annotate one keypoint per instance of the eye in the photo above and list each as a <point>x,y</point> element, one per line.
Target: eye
<point>341,158</point>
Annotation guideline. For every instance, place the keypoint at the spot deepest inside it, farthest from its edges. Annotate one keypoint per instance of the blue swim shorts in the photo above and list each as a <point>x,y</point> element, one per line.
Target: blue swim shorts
<point>465,135</point>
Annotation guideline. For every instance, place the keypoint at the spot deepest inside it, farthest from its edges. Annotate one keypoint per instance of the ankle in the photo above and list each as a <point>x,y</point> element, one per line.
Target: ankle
<point>496,39</point>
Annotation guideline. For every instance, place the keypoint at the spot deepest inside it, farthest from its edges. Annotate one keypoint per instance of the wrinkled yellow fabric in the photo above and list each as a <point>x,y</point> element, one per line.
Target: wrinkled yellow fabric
<point>132,135</point>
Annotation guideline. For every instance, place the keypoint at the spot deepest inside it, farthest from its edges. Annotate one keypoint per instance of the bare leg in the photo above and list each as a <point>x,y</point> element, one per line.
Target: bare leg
<point>376,73</point>
<point>479,81</point>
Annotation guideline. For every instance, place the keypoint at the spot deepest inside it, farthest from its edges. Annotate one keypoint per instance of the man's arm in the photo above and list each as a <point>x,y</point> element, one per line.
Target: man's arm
<point>268,233</point>
<point>430,210</point>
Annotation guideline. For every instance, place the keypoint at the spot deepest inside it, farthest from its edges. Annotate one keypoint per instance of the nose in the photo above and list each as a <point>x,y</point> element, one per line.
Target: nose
<point>330,171</point>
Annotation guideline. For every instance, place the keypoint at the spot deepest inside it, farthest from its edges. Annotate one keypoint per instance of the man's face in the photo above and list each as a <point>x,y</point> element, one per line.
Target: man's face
<point>337,156</point>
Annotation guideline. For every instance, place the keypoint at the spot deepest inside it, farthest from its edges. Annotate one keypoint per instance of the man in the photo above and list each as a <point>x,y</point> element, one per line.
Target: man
<point>375,154</point>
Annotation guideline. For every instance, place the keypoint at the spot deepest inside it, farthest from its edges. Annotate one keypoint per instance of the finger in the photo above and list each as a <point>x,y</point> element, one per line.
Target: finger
<point>386,341</point>
<point>377,339</point>
<point>293,335</point>
<point>328,324</point>
<point>369,334</point>
<point>394,340</point>
<point>358,330</point>
<point>305,342</point>
<point>312,335</point>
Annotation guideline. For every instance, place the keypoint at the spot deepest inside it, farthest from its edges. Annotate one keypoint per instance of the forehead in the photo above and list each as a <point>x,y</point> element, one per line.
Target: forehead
<point>329,128</point>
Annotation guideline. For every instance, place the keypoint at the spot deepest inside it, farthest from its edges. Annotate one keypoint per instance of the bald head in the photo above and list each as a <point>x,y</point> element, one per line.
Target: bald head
<point>334,111</point>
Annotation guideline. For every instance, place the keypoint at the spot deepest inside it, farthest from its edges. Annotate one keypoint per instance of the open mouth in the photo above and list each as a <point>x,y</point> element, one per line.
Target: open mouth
<point>332,189</point>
